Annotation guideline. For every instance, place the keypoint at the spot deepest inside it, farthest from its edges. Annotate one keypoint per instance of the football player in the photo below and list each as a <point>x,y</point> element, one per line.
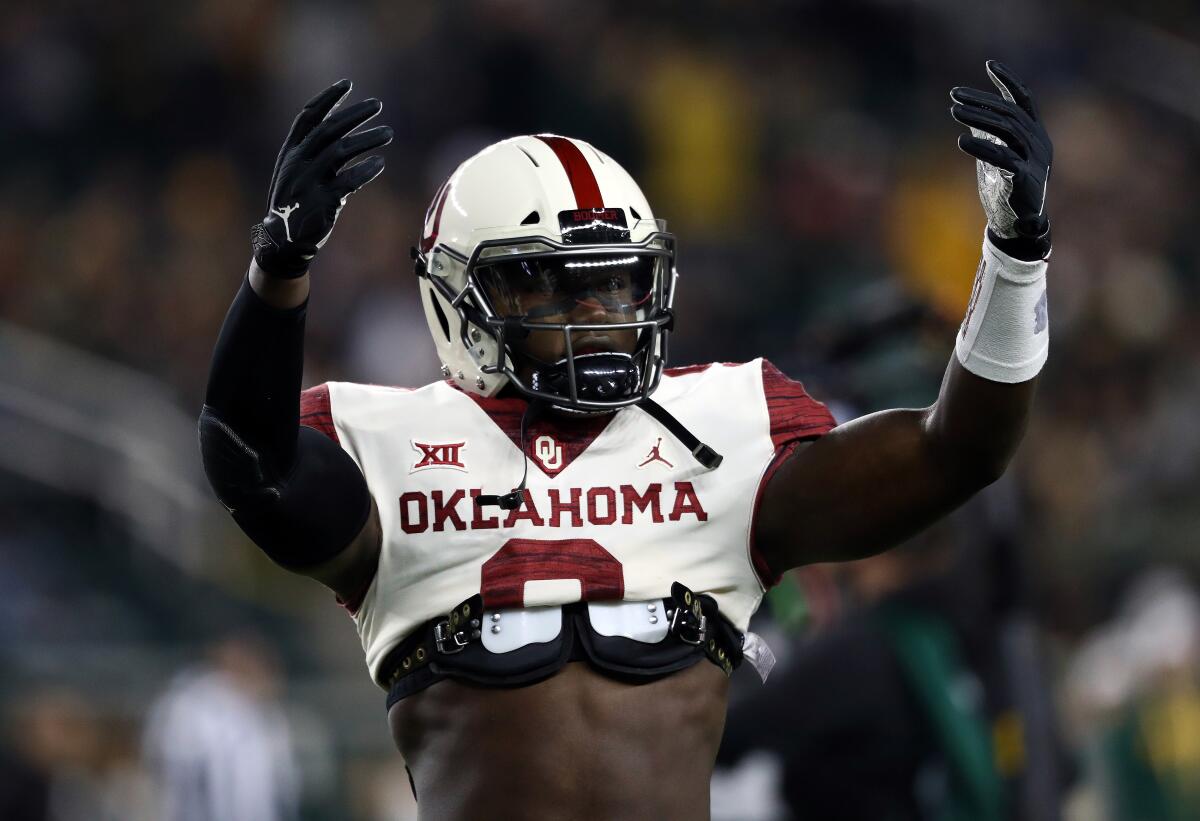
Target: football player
<point>552,556</point>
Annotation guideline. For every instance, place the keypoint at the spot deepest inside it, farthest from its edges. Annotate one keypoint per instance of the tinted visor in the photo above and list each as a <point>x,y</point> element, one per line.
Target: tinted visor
<point>539,288</point>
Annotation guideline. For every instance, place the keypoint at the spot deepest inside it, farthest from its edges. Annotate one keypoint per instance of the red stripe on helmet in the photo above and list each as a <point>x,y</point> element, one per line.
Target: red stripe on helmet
<point>436,206</point>
<point>579,172</point>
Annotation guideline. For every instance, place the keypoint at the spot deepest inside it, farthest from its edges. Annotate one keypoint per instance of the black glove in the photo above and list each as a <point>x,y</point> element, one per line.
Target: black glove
<point>311,180</point>
<point>1013,154</point>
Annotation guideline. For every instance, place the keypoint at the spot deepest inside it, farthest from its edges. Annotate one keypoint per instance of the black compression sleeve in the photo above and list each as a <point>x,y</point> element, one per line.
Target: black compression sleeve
<point>254,383</point>
<point>295,492</point>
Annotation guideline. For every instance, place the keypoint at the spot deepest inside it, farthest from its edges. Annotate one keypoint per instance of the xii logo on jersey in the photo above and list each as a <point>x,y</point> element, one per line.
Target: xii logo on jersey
<point>438,456</point>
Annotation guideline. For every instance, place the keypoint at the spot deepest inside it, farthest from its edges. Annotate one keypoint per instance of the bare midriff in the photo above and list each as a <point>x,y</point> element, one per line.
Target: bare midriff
<point>576,746</point>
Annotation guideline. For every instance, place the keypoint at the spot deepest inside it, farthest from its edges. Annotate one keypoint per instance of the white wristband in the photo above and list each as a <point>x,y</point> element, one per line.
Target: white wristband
<point>1005,336</point>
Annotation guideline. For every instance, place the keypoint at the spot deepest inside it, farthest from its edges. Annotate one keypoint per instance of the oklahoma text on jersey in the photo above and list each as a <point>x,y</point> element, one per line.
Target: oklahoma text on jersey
<point>569,507</point>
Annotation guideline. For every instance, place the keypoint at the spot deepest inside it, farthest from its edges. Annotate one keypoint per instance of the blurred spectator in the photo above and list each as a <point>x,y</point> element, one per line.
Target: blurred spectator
<point>905,708</point>
<point>218,744</point>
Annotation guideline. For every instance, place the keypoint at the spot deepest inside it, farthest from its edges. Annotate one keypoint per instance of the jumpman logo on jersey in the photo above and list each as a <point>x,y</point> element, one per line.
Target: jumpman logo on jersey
<point>285,212</point>
<point>655,455</point>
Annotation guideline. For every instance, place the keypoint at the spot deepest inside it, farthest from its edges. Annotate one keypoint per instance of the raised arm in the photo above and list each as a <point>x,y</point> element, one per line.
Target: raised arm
<point>294,491</point>
<point>870,484</point>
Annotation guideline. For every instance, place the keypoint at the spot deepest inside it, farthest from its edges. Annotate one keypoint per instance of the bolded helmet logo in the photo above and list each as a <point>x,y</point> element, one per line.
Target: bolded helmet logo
<point>594,226</point>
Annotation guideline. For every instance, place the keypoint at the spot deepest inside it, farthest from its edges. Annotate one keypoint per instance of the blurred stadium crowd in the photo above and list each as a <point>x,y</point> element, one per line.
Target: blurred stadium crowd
<point>804,156</point>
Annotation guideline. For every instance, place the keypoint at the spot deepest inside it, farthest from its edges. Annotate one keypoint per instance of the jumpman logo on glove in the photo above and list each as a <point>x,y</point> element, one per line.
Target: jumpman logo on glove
<point>284,213</point>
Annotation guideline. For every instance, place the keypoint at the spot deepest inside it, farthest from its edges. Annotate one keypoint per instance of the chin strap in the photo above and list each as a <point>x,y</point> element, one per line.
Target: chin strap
<point>702,452</point>
<point>516,497</point>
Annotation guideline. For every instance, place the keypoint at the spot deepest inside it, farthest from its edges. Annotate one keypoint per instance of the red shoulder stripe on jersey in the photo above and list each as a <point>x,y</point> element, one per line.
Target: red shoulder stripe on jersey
<point>684,370</point>
<point>766,575</point>
<point>579,172</point>
<point>794,414</point>
<point>316,412</point>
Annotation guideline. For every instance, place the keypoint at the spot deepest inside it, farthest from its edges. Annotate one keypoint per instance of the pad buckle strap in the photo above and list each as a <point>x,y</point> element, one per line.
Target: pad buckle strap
<point>686,629</point>
<point>459,628</point>
<point>691,624</point>
<point>451,634</point>
<point>688,622</point>
<point>442,636</point>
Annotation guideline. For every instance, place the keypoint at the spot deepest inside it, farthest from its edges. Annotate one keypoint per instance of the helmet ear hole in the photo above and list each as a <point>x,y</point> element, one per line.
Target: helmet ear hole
<point>441,315</point>
<point>532,219</point>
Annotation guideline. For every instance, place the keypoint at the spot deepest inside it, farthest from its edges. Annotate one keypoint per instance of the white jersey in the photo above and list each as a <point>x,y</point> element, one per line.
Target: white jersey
<point>615,507</point>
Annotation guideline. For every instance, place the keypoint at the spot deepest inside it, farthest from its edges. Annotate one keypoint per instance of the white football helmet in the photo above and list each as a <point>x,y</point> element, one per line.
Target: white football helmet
<point>517,238</point>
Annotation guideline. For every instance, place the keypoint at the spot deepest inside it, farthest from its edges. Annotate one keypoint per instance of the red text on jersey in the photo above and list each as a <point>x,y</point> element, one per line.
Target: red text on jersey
<point>554,507</point>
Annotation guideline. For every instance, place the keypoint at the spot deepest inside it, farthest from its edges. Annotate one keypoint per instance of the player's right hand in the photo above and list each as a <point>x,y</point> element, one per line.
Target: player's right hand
<point>313,177</point>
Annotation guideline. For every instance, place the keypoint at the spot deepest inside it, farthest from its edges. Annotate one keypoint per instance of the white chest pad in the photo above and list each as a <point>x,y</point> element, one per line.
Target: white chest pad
<point>512,628</point>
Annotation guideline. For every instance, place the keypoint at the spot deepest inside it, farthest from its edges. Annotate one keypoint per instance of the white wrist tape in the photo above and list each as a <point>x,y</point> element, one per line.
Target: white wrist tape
<point>1006,334</point>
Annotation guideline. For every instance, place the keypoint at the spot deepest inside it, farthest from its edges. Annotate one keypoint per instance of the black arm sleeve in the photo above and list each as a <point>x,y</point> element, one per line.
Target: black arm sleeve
<point>296,493</point>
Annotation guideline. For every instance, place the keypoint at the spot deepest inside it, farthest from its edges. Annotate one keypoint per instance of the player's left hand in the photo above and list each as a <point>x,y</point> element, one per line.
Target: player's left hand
<point>1013,153</point>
